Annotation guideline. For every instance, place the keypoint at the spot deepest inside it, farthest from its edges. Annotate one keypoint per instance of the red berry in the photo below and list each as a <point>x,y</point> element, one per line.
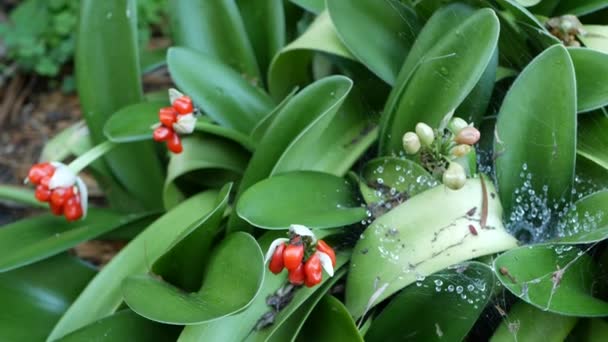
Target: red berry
<point>167,116</point>
<point>323,247</point>
<point>183,105</point>
<point>73,209</point>
<point>59,196</point>
<point>276,262</point>
<point>56,209</point>
<point>39,171</point>
<point>174,144</point>
<point>43,194</point>
<point>162,133</point>
<point>313,271</point>
<point>45,181</point>
<point>296,276</point>
<point>292,256</point>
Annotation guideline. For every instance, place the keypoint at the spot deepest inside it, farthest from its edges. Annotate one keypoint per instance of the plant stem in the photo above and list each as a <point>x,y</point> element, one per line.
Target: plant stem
<point>91,155</point>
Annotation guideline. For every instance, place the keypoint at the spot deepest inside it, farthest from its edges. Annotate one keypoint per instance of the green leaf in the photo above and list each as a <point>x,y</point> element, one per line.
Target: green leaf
<point>239,274</point>
<point>103,295</point>
<point>258,132</point>
<point>554,278</point>
<point>265,24</point>
<point>221,92</point>
<point>290,67</point>
<point>520,13</point>
<point>310,105</point>
<point>527,323</point>
<point>313,199</point>
<point>314,6</point>
<point>450,65</point>
<point>473,107</point>
<point>108,78</point>
<point>596,37</point>
<point>204,157</point>
<point>58,147</point>
<point>590,330</point>
<point>423,235</point>
<point>124,325</point>
<point>528,3</point>
<point>329,321</point>
<point>33,239</point>
<point>34,297</point>
<point>443,306</point>
<point>151,60</point>
<point>378,33</point>
<point>216,29</point>
<point>237,327</point>
<point>586,221</point>
<point>536,130</point>
<point>580,7</point>
<point>134,123</point>
<point>592,138</point>
<point>21,195</point>
<point>591,69</point>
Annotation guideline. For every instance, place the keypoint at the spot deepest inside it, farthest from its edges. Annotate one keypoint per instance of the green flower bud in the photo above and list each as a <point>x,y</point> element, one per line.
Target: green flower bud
<point>461,150</point>
<point>425,133</point>
<point>411,143</point>
<point>454,177</point>
<point>468,135</point>
<point>457,124</point>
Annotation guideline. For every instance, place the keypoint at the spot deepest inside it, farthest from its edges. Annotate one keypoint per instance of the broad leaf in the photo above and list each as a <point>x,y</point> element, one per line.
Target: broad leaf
<point>329,321</point>
<point>33,239</point>
<point>378,33</point>
<point>444,305</point>
<point>21,195</point>
<point>103,294</point>
<point>313,199</point>
<point>240,274</point>
<point>592,138</point>
<point>450,66</point>
<point>536,131</point>
<point>219,91</point>
<point>591,69</point>
<point>427,233</point>
<point>580,7</point>
<point>586,221</point>
<point>596,37</point>
<point>554,278</point>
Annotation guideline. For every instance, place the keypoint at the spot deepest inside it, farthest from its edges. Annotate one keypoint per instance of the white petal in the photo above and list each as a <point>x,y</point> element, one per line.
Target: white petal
<point>63,176</point>
<point>185,124</point>
<point>301,230</point>
<point>326,263</point>
<point>274,246</point>
<point>84,196</point>
<point>156,125</point>
<point>174,94</point>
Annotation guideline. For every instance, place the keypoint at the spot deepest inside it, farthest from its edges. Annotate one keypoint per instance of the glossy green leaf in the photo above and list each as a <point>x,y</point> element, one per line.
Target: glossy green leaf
<point>591,69</point>
<point>554,278</point>
<point>450,66</point>
<point>290,67</point>
<point>443,306</point>
<point>586,221</point>
<point>219,91</point>
<point>378,33</point>
<point>216,29</point>
<point>239,274</point>
<point>21,195</point>
<point>527,323</point>
<point>103,295</point>
<point>536,130</point>
<point>596,37</point>
<point>474,106</point>
<point>134,123</point>
<point>528,3</point>
<point>124,325</point>
<point>152,59</point>
<point>58,147</point>
<point>265,24</point>
<point>520,13</point>
<point>203,158</point>
<point>314,6</point>
<point>34,297</point>
<point>330,321</point>
<point>428,233</point>
<point>33,239</point>
<point>108,78</point>
<point>580,7</point>
<point>313,199</point>
<point>258,132</point>
<point>592,138</point>
<point>590,330</point>
<point>237,327</point>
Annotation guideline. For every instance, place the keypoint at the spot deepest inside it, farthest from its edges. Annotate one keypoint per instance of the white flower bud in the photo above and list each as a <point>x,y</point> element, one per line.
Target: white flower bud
<point>468,135</point>
<point>185,124</point>
<point>63,177</point>
<point>457,124</point>
<point>425,133</point>
<point>174,94</point>
<point>461,150</point>
<point>411,143</point>
<point>454,177</point>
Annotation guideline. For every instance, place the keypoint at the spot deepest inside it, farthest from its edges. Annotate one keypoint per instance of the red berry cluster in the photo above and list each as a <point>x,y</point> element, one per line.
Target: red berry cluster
<point>168,116</point>
<point>62,201</point>
<point>291,256</point>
